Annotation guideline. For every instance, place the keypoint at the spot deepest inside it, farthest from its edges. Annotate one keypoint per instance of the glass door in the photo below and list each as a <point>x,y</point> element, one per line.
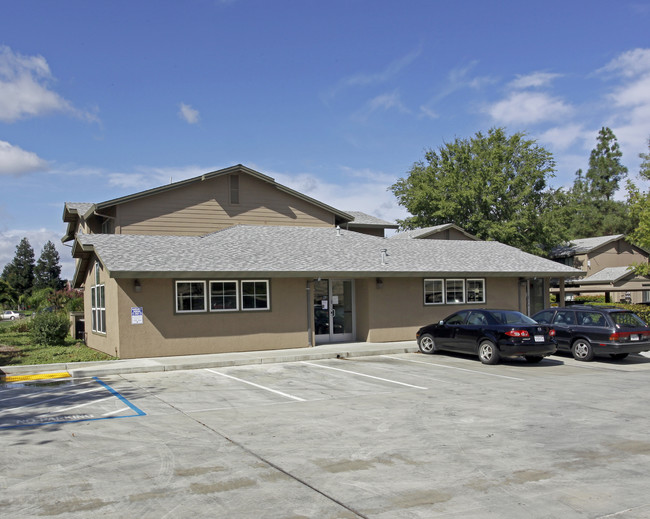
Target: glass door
<point>333,310</point>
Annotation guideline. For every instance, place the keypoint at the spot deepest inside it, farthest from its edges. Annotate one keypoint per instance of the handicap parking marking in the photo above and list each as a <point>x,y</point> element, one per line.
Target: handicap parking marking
<point>40,411</point>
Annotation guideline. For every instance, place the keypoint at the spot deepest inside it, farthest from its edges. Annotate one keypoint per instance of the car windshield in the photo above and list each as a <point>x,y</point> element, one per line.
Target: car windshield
<point>627,320</point>
<point>510,317</point>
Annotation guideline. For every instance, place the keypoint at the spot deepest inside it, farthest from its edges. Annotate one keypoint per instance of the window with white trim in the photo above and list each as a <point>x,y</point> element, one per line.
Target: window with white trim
<point>224,296</point>
<point>98,304</point>
<point>455,291</point>
<point>433,292</point>
<point>476,291</point>
<point>255,295</point>
<point>190,296</point>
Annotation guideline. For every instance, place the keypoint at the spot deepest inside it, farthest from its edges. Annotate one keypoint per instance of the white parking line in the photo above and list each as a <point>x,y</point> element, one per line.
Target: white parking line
<point>453,367</point>
<point>364,375</point>
<point>85,404</point>
<point>116,411</point>
<point>257,385</point>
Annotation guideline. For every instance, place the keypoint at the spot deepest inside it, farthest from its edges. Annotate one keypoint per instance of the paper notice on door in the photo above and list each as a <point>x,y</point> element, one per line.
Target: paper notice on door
<point>335,300</point>
<point>324,304</point>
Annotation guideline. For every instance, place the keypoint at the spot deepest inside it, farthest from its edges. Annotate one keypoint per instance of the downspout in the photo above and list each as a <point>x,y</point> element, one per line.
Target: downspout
<point>309,329</point>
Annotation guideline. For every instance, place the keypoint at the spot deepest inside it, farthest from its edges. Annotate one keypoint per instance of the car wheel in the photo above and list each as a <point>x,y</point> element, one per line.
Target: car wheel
<point>487,352</point>
<point>582,350</point>
<point>427,344</point>
<point>13,317</point>
<point>533,359</point>
<point>618,356</point>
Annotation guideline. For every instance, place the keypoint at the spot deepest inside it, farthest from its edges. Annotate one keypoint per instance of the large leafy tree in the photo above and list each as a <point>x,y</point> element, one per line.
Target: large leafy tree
<point>495,186</point>
<point>640,205</point>
<point>605,168</point>
<point>47,273</point>
<point>19,274</point>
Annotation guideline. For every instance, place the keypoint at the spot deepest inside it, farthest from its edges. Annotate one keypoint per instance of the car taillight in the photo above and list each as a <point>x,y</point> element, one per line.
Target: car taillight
<point>551,332</point>
<point>518,333</point>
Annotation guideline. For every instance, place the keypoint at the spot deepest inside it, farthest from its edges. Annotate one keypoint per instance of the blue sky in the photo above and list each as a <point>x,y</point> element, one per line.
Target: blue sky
<point>336,99</point>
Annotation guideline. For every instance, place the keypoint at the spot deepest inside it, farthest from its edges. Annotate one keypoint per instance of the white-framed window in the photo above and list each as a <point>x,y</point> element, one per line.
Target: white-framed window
<point>255,295</point>
<point>98,304</point>
<point>434,292</point>
<point>190,296</point>
<point>224,296</point>
<point>476,291</point>
<point>455,291</point>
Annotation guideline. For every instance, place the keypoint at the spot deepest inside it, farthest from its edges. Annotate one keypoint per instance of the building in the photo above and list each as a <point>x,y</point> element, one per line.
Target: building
<point>606,261</point>
<point>233,261</point>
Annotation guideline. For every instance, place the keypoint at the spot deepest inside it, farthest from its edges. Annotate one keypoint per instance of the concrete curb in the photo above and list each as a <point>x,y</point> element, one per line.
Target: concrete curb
<point>217,360</point>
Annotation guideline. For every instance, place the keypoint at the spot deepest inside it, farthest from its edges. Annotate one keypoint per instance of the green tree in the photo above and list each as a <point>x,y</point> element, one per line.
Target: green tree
<point>605,168</point>
<point>20,272</point>
<point>639,203</point>
<point>47,273</point>
<point>494,186</point>
<point>8,296</point>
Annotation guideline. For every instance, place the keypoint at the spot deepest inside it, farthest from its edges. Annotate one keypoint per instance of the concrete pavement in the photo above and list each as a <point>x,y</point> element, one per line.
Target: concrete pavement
<point>215,360</point>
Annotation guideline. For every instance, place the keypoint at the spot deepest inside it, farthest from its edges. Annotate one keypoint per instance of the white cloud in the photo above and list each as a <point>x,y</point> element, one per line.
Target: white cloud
<point>367,191</point>
<point>16,161</point>
<point>536,79</point>
<point>147,178</point>
<point>630,98</point>
<point>25,91</point>
<point>382,102</point>
<point>630,63</point>
<point>529,108</point>
<point>188,114</point>
<point>457,79</point>
<point>563,137</point>
<point>9,240</point>
<point>374,78</point>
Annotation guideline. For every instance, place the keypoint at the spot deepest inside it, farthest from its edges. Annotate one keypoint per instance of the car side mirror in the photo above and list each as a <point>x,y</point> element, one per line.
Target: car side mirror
<point>441,322</point>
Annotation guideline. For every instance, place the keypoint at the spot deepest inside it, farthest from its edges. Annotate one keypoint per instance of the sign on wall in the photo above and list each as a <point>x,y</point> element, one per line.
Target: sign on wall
<point>137,315</point>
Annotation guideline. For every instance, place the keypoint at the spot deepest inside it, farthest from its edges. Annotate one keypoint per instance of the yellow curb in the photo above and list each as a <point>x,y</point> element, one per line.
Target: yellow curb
<point>41,376</point>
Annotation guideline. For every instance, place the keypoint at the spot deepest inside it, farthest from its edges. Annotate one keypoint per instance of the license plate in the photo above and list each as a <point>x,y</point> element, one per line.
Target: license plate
<point>634,337</point>
<point>539,338</point>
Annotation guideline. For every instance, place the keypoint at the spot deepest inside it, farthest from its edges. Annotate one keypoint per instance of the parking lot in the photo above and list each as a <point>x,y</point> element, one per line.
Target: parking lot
<point>405,435</point>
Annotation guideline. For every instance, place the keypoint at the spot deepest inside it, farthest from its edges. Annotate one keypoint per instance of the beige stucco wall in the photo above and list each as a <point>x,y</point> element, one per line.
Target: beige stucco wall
<point>393,312</point>
<point>397,310</point>
<point>166,333</point>
<point>203,207</point>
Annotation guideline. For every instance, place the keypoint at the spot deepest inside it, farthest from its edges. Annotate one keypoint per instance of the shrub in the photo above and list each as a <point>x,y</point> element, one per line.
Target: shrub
<point>50,328</point>
<point>585,300</point>
<point>22,326</point>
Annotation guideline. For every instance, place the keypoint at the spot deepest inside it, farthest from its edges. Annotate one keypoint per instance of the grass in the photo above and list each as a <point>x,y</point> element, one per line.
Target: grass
<point>17,348</point>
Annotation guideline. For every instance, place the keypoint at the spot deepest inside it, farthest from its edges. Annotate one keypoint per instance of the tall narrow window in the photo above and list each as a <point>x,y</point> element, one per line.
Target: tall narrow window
<point>234,189</point>
<point>190,296</point>
<point>98,304</point>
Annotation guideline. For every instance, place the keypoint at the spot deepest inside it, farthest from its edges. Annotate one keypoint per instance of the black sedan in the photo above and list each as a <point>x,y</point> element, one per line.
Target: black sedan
<point>490,334</point>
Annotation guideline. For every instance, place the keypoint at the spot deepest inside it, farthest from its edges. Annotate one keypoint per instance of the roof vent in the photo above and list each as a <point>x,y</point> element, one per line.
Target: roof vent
<point>338,230</point>
<point>384,255</point>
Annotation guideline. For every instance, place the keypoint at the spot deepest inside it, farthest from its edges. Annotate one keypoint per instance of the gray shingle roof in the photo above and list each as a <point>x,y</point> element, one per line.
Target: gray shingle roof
<point>607,275</point>
<point>80,207</point>
<point>583,245</point>
<point>275,251</point>
<point>423,232</point>
<point>367,220</point>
